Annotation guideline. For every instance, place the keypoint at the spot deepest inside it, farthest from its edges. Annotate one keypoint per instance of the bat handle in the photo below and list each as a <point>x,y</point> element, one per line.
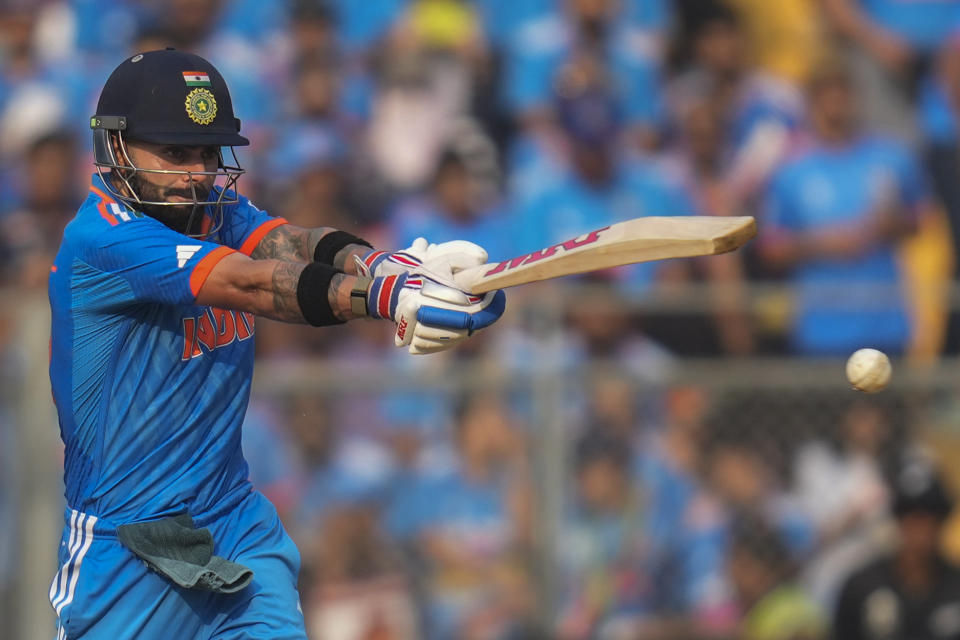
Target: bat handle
<point>469,279</point>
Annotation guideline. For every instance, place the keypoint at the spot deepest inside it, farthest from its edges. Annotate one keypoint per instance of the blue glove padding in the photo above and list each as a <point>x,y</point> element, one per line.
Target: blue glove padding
<point>450,319</point>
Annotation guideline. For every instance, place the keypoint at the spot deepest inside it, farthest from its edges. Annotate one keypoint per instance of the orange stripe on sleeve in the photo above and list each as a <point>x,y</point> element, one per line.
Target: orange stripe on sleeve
<point>254,238</point>
<point>205,266</point>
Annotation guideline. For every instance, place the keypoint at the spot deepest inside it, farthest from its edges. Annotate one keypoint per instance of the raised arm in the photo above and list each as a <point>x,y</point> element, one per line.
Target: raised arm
<point>268,287</point>
<point>848,18</point>
<point>430,315</point>
<point>291,243</point>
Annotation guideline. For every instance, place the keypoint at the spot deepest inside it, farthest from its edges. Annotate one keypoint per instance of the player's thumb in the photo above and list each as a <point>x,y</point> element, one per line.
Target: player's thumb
<point>420,247</point>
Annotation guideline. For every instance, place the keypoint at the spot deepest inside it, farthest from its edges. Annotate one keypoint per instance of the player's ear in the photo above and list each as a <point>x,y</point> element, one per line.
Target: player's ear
<point>120,151</point>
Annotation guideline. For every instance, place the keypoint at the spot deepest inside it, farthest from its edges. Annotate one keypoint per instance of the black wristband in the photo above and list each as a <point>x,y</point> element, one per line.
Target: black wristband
<point>330,245</point>
<point>313,294</point>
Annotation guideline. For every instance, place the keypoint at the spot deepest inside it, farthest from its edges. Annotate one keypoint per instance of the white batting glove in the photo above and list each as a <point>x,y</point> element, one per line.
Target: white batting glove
<point>431,314</point>
<point>458,254</point>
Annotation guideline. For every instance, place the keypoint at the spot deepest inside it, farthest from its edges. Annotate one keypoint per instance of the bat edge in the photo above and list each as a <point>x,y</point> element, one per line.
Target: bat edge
<point>737,238</point>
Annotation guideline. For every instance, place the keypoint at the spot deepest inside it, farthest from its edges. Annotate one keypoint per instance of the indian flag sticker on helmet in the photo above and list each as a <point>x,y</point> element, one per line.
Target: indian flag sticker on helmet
<point>196,78</point>
<point>201,106</point>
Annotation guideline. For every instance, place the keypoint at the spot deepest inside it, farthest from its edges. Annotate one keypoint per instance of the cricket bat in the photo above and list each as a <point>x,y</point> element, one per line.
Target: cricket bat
<point>628,242</point>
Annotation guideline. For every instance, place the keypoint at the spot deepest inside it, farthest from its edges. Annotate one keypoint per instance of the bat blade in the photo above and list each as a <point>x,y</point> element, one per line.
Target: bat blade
<point>628,242</point>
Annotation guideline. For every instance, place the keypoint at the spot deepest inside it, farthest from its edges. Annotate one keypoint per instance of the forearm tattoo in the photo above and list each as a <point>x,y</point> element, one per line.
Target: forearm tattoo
<point>296,244</point>
<point>289,243</point>
<point>344,261</point>
<point>339,296</point>
<point>284,304</point>
<point>286,275</point>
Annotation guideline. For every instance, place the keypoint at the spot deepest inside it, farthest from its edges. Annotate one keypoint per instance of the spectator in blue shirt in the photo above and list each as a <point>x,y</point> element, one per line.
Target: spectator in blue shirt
<point>601,551</point>
<point>743,478</point>
<point>700,160</point>
<point>599,186</point>
<point>760,112</point>
<point>468,527</point>
<point>834,215</point>
<point>585,34</point>
<point>632,565</point>
<point>455,205</point>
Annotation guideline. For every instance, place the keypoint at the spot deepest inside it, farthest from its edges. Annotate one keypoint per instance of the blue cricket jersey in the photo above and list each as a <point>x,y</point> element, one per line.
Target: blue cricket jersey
<point>151,389</point>
<point>838,305</point>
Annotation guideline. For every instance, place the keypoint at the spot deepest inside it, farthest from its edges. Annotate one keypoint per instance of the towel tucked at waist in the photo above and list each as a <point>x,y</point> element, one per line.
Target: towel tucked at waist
<point>175,548</point>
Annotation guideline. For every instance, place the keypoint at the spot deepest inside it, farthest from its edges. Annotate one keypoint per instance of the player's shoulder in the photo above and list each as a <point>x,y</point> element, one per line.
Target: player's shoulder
<point>235,203</point>
<point>102,215</point>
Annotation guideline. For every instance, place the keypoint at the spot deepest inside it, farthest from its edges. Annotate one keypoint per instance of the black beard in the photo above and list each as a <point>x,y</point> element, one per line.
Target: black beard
<point>186,218</point>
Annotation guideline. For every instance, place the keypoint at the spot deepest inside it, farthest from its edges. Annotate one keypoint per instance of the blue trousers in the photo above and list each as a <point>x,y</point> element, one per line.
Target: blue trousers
<point>103,590</point>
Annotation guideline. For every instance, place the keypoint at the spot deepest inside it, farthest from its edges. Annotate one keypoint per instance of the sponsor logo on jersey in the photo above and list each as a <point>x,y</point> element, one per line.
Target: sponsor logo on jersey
<point>185,252</point>
<point>201,106</point>
<point>529,258</point>
<point>214,328</point>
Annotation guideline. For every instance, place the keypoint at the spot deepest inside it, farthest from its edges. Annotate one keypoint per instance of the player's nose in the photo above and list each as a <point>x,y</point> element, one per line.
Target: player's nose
<point>196,163</point>
<point>195,172</point>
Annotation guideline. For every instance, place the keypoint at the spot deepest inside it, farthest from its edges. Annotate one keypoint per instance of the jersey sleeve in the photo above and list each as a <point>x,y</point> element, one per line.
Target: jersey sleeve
<point>143,260</point>
<point>245,225</point>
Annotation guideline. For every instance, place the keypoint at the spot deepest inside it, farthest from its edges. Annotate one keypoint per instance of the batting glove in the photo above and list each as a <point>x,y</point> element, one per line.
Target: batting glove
<point>431,314</point>
<point>457,254</point>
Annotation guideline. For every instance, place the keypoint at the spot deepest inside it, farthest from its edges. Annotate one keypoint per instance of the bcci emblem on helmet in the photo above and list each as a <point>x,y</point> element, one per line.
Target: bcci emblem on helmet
<point>201,106</point>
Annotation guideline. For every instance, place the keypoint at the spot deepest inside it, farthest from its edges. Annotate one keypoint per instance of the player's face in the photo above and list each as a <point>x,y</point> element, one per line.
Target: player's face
<point>175,187</point>
<point>178,187</point>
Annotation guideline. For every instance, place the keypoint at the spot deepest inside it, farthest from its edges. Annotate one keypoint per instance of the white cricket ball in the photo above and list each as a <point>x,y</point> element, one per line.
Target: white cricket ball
<point>869,370</point>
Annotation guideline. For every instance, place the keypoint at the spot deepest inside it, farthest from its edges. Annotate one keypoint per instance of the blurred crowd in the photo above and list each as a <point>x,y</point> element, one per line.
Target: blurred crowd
<point>518,125</point>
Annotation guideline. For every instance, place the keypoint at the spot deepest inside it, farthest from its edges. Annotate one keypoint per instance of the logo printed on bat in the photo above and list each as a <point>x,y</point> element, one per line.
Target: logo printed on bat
<point>540,254</point>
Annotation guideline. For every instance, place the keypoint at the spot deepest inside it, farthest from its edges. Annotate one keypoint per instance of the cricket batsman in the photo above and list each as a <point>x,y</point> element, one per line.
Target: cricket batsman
<point>154,292</point>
